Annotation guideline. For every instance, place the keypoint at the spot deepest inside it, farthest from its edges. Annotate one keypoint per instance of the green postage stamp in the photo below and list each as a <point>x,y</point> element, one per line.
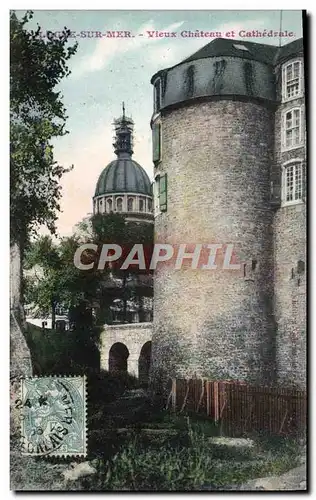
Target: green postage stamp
<point>53,416</point>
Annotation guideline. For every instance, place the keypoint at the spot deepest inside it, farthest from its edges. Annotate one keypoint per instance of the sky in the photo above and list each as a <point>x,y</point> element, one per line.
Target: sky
<point>107,71</point>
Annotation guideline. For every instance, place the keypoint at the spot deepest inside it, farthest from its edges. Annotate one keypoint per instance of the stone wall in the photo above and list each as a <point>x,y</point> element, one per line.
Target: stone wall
<point>134,336</point>
<point>217,323</point>
<point>289,228</point>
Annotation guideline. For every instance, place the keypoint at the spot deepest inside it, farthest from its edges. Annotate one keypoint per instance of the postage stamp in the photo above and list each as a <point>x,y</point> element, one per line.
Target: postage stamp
<point>53,416</point>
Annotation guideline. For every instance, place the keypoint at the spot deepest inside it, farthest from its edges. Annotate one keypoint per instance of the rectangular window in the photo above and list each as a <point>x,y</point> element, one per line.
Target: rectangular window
<point>156,142</point>
<point>160,196</point>
<point>292,80</point>
<point>157,95</point>
<point>292,129</point>
<point>239,46</point>
<point>292,183</point>
<point>163,193</point>
<point>156,195</point>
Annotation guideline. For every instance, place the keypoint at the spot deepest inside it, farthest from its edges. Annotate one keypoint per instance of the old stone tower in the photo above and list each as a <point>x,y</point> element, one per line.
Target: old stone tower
<point>229,157</point>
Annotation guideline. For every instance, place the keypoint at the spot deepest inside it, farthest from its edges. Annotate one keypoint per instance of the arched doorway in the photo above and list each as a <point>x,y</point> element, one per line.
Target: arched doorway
<point>144,363</point>
<point>118,358</point>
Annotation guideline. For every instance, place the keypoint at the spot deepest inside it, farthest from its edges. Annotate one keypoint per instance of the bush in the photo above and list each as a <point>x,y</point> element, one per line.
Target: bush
<point>105,387</point>
<point>52,351</point>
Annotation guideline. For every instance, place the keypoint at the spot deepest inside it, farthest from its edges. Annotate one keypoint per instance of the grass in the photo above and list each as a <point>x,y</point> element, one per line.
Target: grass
<point>156,451</point>
<point>186,464</point>
<point>135,462</point>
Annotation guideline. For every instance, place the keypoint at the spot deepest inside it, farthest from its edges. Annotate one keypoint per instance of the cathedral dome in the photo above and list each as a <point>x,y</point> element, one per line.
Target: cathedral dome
<point>124,186</point>
<point>123,175</point>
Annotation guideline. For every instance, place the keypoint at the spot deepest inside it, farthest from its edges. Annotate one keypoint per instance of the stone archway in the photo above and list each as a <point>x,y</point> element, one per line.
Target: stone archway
<point>118,356</point>
<point>144,363</point>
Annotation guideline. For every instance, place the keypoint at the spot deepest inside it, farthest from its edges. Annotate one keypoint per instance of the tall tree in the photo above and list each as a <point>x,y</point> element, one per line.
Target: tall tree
<point>37,116</point>
<point>114,228</point>
<point>58,281</point>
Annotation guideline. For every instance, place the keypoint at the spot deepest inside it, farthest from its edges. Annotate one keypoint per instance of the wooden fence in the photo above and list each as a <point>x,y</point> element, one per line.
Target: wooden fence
<point>241,409</point>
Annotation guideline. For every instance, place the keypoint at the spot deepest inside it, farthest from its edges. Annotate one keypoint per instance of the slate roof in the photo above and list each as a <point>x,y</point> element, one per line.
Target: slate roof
<point>226,47</point>
<point>123,175</point>
<point>262,52</point>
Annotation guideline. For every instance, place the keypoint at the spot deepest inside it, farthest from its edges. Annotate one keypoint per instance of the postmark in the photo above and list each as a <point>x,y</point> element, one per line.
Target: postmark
<point>53,416</point>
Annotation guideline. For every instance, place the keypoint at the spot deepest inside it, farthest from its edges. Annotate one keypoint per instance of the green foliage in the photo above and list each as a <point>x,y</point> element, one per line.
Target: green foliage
<point>134,464</point>
<point>52,351</point>
<point>105,387</point>
<point>37,116</point>
<point>112,228</point>
<point>174,466</point>
<point>58,280</point>
<point>108,228</point>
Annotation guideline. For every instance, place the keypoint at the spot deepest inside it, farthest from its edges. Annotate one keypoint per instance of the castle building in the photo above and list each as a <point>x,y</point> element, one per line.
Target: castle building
<point>229,153</point>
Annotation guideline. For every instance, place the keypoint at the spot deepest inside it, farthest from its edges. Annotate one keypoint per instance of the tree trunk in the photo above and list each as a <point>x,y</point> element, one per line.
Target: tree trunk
<point>20,356</point>
<point>140,309</point>
<point>124,299</point>
<point>53,315</point>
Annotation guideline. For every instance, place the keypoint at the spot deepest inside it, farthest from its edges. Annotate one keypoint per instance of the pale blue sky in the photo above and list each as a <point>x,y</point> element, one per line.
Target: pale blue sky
<point>108,71</point>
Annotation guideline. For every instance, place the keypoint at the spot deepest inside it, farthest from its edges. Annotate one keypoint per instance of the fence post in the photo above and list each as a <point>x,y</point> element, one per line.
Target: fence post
<point>216,402</point>
<point>208,386</point>
<point>174,394</point>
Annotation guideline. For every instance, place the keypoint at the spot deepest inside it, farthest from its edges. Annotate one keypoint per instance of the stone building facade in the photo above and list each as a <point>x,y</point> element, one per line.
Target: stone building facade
<point>229,160</point>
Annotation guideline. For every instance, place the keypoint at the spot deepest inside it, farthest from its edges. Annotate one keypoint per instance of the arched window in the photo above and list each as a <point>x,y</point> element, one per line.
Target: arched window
<point>100,205</point>
<point>130,204</point>
<point>109,205</point>
<point>141,205</point>
<point>292,182</point>
<point>119,204</point>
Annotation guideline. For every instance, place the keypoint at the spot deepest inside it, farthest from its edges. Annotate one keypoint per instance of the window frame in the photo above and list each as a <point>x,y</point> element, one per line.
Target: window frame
<point>285,98</point>
<point>293,162</point>
<point>141,202</point>
<point>284,146</point>
<point>156,94</point>
<point>100,205</point>
<point>157,130</point>
<point>119,198</point>
<point>156,195</point>
<point>149,204</point>
<point>130,199</point>
<point>109,205</point>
